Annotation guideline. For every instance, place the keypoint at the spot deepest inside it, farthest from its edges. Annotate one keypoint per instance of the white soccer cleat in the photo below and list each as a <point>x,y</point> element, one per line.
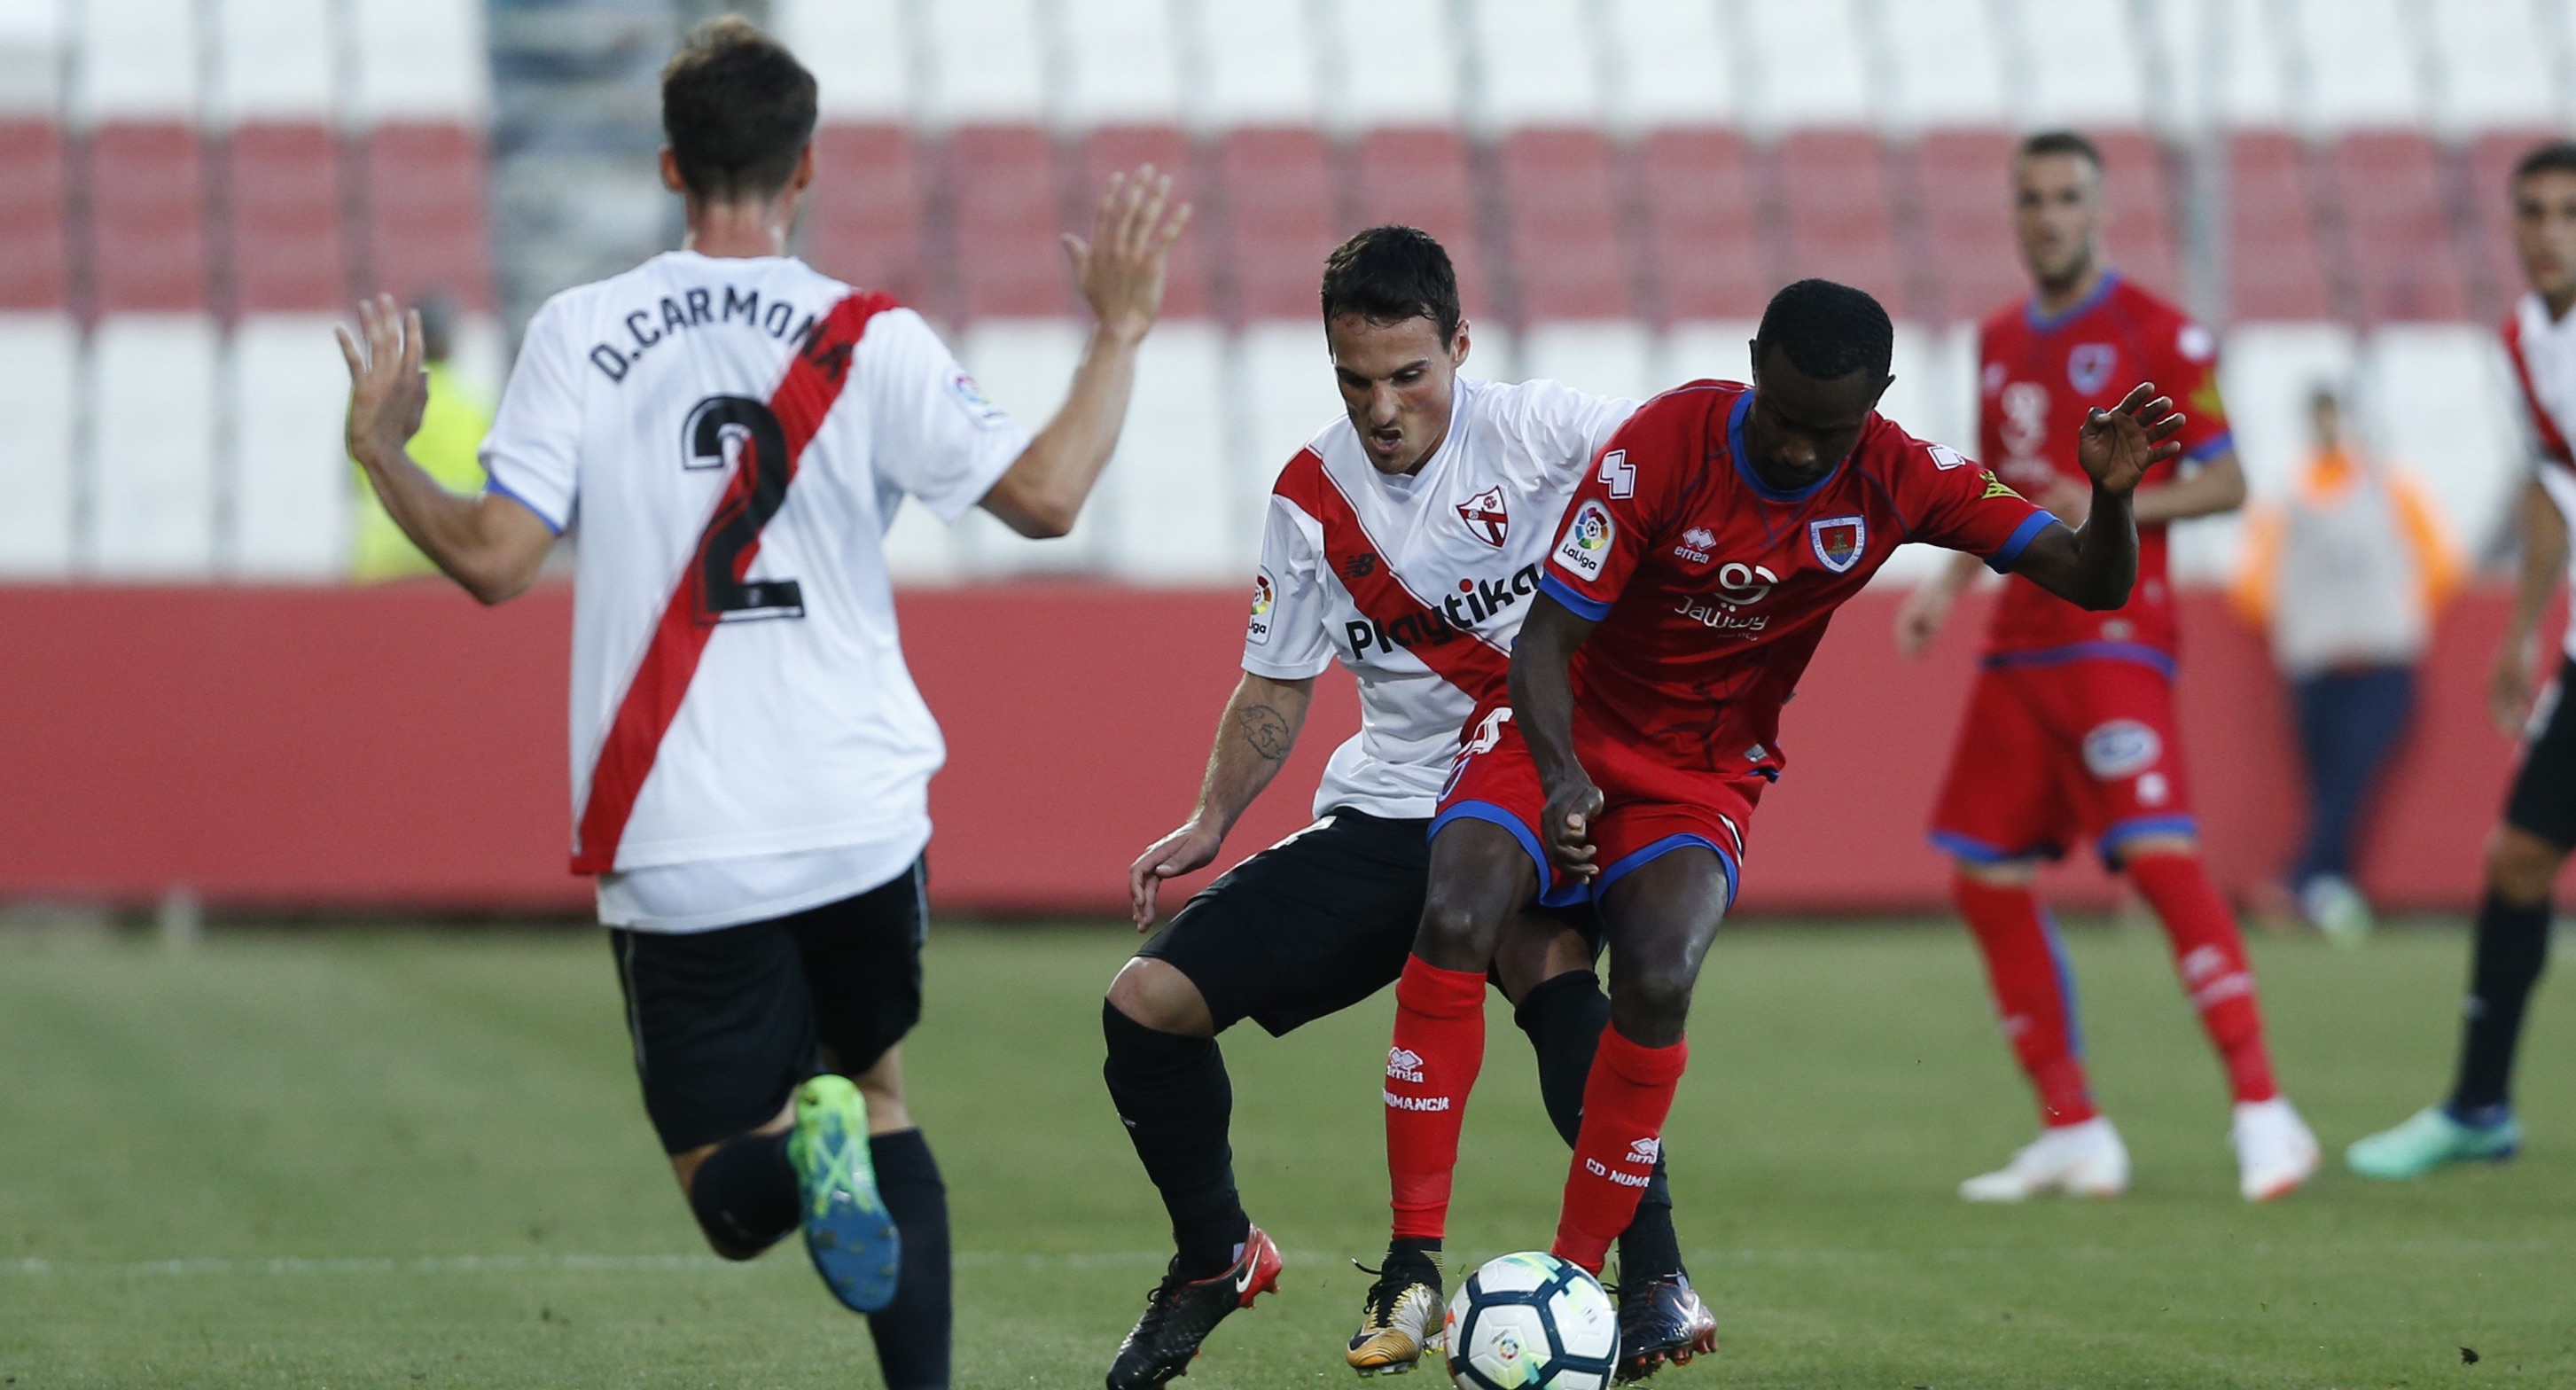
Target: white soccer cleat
<point>2080,1160</point>
<point>2275,1151</point>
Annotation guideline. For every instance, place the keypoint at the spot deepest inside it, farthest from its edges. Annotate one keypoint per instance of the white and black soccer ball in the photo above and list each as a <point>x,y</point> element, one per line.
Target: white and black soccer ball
<point>1532,1322</point>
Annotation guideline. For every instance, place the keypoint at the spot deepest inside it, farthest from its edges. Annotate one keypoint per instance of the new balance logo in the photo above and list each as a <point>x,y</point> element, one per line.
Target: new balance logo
<point>1645,1152</point>
<point>1426,1104</point>
<point>1404,1064</point>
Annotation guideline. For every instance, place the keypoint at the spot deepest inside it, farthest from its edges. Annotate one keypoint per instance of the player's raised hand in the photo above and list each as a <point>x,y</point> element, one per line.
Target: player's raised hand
<point>1186,850</point>
<point>1120,269</point>
<point>1566,825</point>
<point>2118,446</point>
<point>387,388</point>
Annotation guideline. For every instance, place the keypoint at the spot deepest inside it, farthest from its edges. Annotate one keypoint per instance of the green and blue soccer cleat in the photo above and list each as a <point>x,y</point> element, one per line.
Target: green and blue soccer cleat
<point>2430,1139</point>
<point>847,1231</point>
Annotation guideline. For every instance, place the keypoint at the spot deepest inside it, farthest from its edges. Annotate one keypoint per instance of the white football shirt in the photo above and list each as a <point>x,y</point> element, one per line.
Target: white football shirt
<point>2543,353</point>
<point>1418,583</point>
<point>731,438</point>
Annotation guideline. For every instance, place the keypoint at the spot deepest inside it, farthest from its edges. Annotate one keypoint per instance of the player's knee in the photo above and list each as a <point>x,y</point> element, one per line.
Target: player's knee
<point>1154,994</point>
<point>2521,866</point>
<point>1456,934</point>
<point>1651,1003</point>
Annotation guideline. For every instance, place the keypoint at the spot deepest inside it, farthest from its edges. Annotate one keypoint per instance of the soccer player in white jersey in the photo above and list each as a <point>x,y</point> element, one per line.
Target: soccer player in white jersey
<point>731,432</point>
<point>2475,1123</point>
<point>1403,541</point>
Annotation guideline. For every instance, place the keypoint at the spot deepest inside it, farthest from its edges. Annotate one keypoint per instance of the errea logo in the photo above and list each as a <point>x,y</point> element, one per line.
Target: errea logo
<point>1697,544</point>
<point>1404,1064</point>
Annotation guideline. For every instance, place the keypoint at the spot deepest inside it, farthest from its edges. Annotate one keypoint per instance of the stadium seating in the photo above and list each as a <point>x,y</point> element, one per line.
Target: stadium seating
<point>188,186</point>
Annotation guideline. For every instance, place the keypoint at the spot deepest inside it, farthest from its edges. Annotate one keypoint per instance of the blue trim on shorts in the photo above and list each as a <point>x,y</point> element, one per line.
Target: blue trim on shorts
<point>2226,439</point>
<point>2159,660</point>
<point>494,484</point>
<point>1569,895</point>
<point>1977,851</point>
<point>2009,553</point>
<point>1640,858</point>
<point>1564,593</point>
<point>2121,832</point>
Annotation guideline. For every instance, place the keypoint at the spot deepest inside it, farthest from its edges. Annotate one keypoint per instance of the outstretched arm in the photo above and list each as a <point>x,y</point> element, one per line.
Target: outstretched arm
<point>491,544</point>
<point>1253,738</point>
<point>1120,271</point>
<point>2094,565</point>
<point>1543,705</point>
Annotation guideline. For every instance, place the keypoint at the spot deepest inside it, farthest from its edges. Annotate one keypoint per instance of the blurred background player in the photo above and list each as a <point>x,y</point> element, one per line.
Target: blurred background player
<point>1686,590</point>
<point>731,431</point>
<point>1433,484</point>
<point>447,448</point>
<point>2476,1123</point>
<point>2345,575</point>
<point>2070,730</point>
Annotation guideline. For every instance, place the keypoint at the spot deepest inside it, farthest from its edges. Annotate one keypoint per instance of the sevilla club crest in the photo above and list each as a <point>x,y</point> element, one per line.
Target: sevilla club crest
<point>1839,541</point>
<point>1485,516</point>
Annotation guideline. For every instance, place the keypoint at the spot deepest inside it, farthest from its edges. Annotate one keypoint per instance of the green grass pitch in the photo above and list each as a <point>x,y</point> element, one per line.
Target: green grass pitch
<point>411,1159</point>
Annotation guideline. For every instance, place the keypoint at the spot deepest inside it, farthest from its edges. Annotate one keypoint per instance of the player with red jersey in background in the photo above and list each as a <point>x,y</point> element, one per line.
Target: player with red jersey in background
<point>2070,731</point>
<point>1693,575</point>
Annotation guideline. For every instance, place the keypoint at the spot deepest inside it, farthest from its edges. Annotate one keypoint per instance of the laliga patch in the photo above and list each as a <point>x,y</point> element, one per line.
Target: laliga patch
<point>2088,367</point>
<point>1265,596</point>
<point>2119,748</point>
<point>972,397</point>
<point>1946,458</point>
<point>1586,547</point>
<point>1839,541</point>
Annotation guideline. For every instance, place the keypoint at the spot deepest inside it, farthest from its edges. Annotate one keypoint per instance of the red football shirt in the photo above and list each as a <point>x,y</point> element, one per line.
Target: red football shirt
<point>1712,588</point>
<point>2037,379</point>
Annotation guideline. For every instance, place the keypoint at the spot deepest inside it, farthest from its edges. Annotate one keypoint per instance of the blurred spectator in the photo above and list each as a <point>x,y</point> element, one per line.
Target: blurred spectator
<point>451,435</point>
<point>2346,576</point>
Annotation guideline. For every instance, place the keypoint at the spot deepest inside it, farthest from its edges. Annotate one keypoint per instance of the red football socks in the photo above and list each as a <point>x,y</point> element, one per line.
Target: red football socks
<point>1625,1100</point>
<point>1439,1045</point>
<point>2033,998</point>
<point>2210,955</point>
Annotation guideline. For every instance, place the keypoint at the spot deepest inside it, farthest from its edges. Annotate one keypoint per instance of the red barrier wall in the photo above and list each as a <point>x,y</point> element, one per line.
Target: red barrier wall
<point>400,746</point>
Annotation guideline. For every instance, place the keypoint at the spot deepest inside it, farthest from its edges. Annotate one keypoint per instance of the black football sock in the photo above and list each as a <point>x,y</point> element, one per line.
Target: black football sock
<point>2513,945</point>
<point>1173,1095</point>
<point>1564,1017</point>
<point>744,1194</point>
<point>912,1332</point>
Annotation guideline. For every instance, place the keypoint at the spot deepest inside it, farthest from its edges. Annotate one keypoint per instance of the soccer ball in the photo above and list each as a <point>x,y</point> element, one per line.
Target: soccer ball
<point>1532,1322</point>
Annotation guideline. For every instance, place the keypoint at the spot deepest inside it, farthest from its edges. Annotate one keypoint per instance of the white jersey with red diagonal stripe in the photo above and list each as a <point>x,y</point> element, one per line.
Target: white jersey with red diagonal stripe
<point>731,438</point>
<point>2543,354</point>
<point>1418,583</point>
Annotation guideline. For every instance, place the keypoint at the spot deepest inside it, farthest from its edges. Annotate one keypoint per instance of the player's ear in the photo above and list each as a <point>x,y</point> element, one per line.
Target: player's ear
<point>1880,394</point>
<point>1458,346</point>
<point>803,178</point>
<point>671,172</point>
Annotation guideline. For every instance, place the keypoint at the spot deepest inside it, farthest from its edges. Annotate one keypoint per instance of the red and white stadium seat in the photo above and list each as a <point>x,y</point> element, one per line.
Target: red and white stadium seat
<point>39,346</point>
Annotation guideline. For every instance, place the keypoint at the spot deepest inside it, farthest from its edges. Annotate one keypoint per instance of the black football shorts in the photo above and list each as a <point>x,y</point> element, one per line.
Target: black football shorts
<point>728,1023</point>
<point>2543,800</point>
<point>1311,925</point>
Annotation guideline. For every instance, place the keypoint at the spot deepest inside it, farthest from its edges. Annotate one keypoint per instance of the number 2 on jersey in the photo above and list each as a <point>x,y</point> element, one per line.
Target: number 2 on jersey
<point>721,428</point>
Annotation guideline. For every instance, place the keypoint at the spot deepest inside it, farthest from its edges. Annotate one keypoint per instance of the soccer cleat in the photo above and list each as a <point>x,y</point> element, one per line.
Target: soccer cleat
<point>1662,1320</point>
<point>1180,1313</point>
<point>2275,1151</point>
<point>2430,1139</point>
<point>1400,1321</point>
<point>847,1231</point>
<point>2081,1160</point>
<point>2335,907</point>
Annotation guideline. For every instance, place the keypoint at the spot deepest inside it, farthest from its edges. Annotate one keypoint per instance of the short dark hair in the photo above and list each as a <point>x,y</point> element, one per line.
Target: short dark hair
<point>1829,331</point>
<point>738,110</point>
<point>2553,157</point>
<point>2059,142</point>
<point>1390,274</point>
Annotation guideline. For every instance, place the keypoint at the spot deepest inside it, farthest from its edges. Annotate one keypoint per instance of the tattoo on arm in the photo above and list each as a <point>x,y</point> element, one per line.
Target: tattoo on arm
<point>1266,731</point>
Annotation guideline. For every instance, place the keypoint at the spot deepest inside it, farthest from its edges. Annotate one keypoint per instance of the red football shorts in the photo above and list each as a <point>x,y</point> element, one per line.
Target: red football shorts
<point>2054,752</point>
<point>1649,808</point>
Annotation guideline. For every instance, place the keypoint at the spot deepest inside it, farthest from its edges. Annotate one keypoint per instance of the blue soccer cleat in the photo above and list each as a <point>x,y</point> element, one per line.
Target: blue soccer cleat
<point>2431,1139</point>
<point>853,1241</point>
